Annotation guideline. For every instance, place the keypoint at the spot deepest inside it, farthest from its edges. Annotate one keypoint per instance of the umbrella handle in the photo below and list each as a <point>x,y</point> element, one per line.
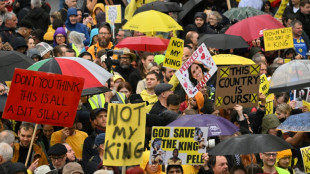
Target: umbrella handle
<point>228,4</point>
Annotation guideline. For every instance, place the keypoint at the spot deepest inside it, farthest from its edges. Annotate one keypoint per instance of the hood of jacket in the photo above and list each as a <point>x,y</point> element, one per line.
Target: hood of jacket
<point>71,11</point>
<point>94,32</point>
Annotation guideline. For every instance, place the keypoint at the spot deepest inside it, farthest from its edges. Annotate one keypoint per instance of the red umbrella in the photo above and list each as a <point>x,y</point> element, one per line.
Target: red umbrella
<point>252,28</point>
<point>144,43</point>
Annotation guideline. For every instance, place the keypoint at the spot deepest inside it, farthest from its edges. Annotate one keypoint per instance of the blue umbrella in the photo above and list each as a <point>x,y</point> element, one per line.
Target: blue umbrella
<point>218,126</point>
<point>296,123</point>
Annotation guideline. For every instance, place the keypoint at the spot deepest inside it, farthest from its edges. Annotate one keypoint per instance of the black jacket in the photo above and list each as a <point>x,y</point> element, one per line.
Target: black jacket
<point>305,20</point>
<point>39,18</point>
<point>131,75</point>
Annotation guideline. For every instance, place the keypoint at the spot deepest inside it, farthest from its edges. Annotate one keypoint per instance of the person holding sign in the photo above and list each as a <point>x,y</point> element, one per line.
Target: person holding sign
<point>21,149</point>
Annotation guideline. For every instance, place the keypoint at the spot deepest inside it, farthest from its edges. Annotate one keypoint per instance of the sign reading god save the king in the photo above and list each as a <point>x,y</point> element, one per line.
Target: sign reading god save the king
<point>237,85</point>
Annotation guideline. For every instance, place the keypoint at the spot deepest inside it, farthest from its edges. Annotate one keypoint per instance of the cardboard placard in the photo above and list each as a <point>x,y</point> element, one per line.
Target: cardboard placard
<point>305,153</point>
<point>281,9</point>
<point>43,98</point>
<point>237,85</point>
<point>277,39</point>
<point>196,71</point>
<point>113,14</point>
<point>264,84</point>
<point>178,145</point>
<point>174,53</point>
<point>125,132</point>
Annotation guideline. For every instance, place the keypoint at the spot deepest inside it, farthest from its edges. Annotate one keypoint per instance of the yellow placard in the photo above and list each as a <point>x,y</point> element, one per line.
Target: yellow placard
<point>305,153</point>
<point>174,53</point>
<point>264,84</point>
<point>113,14</point>
<point>188,142</point>
<point>125,132</point>
<point>281,9</point>
<point>277,39</point>
<point>269,107</point>
<point>304,103</point>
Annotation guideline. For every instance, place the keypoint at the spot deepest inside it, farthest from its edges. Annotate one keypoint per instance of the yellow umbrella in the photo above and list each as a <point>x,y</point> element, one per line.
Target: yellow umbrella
<point>152,21</point>
<point>230,59</point>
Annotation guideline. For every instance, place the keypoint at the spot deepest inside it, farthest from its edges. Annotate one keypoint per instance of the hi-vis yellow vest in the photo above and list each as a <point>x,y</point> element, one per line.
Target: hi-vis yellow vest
<point>98,101</point>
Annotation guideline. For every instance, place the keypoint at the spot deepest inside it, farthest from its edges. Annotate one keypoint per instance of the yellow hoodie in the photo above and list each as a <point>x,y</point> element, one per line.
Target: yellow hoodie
<point>93,14</point>
<point>152,99</point>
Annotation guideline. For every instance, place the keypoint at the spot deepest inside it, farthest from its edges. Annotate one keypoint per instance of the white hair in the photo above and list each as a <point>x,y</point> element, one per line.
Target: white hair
<point>6,151</point>
<point>8,16</point>
<point>36,3</point>
<point>7,136</point>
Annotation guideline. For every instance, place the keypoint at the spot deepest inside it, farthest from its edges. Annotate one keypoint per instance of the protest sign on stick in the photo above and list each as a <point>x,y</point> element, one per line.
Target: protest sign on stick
<point>174,53</point>
<point>125,132</point>
<point>43,98</point>
<point>237,85</point>
<point>178,145</point>
<point>196,71</point>
<point>264,84</point>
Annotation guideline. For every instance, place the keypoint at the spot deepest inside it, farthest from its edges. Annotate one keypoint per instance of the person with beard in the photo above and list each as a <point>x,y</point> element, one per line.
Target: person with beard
<point>104,40</point>
<point>127,71</point>
<point>199,25</point>
<point>73,25</point>
<point>167,74</point>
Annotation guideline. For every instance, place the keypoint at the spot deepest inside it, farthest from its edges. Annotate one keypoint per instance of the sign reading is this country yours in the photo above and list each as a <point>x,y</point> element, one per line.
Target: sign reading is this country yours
<point>237,85</point>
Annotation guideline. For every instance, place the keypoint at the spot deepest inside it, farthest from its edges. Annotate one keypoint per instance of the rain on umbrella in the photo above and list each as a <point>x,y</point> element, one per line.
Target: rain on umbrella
<point>164,7</point>
<point>222,41</point>
<point>144,43</point>
<point>296,123</point>
<point>252,27</point>
<point>250,143</point>
<point>152,21</point>
<point>242,13</point>
<point>230,59</point>
<point>94,75</point>
<point>217,125</point>
<point>290,76</point>
<point>9,60</point>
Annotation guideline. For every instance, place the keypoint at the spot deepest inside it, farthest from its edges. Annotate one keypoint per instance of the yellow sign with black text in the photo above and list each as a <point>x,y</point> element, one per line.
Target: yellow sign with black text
<point>125,132</point>
<point>278,39</point>
<point>174,53</point>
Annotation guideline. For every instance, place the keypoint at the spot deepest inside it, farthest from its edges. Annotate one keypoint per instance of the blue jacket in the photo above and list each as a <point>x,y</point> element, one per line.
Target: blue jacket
<point>78,27</point>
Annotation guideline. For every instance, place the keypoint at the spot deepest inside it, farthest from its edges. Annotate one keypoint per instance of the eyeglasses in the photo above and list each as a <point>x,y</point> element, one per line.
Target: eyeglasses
<point>125,58</point>
<point>270,154</point>
<point>58,37</point>
<point>57,158</point>
<point>104,33</point>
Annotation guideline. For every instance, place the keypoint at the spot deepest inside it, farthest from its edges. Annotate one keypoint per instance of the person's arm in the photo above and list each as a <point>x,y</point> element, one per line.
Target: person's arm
<point>91,4</point>
<point>296,139</point>
<point>86,41</point>
<point>205,169</point>
<point>174,81</point>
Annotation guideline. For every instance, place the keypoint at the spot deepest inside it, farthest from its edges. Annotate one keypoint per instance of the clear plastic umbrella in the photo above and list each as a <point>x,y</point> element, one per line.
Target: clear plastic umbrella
<point>290,76</point>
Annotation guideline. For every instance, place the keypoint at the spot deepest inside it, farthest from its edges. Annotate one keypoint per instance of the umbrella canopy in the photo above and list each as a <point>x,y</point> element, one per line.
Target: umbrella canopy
<point>242,13</point>
<point>152,21</point>
<point>223,41</point>
<point>9,60</point>
<point>144,43</point>
<point>94,75</point>
<point>164,7</point>
<point>230,59</point>
<point>217,125</point>
<point>188,7</point>
<point>96,90</point>
<point>289,76</point>
<point>252,27</point>
<point>296,123</point>
<point>250,143</point>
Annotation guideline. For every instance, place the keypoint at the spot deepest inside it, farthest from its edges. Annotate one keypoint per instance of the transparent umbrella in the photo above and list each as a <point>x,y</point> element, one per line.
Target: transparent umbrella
<point>292,75</point>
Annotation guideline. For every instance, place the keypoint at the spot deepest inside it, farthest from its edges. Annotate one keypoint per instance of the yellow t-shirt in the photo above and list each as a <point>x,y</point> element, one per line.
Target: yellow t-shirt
<point>76,141</point>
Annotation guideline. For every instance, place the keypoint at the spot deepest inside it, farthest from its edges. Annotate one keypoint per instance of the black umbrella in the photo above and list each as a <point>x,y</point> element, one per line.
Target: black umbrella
<point>9,60</point>
<point>2,102</point>
<point>223,41</point>
<point>250,143</point>
<point>93,91</point>
<point>164,7</point>
<point>189,7</point>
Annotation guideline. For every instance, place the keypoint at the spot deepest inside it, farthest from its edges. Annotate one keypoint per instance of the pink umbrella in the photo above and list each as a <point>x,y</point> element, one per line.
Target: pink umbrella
<point>252,28</point>
<point>144,43</point>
